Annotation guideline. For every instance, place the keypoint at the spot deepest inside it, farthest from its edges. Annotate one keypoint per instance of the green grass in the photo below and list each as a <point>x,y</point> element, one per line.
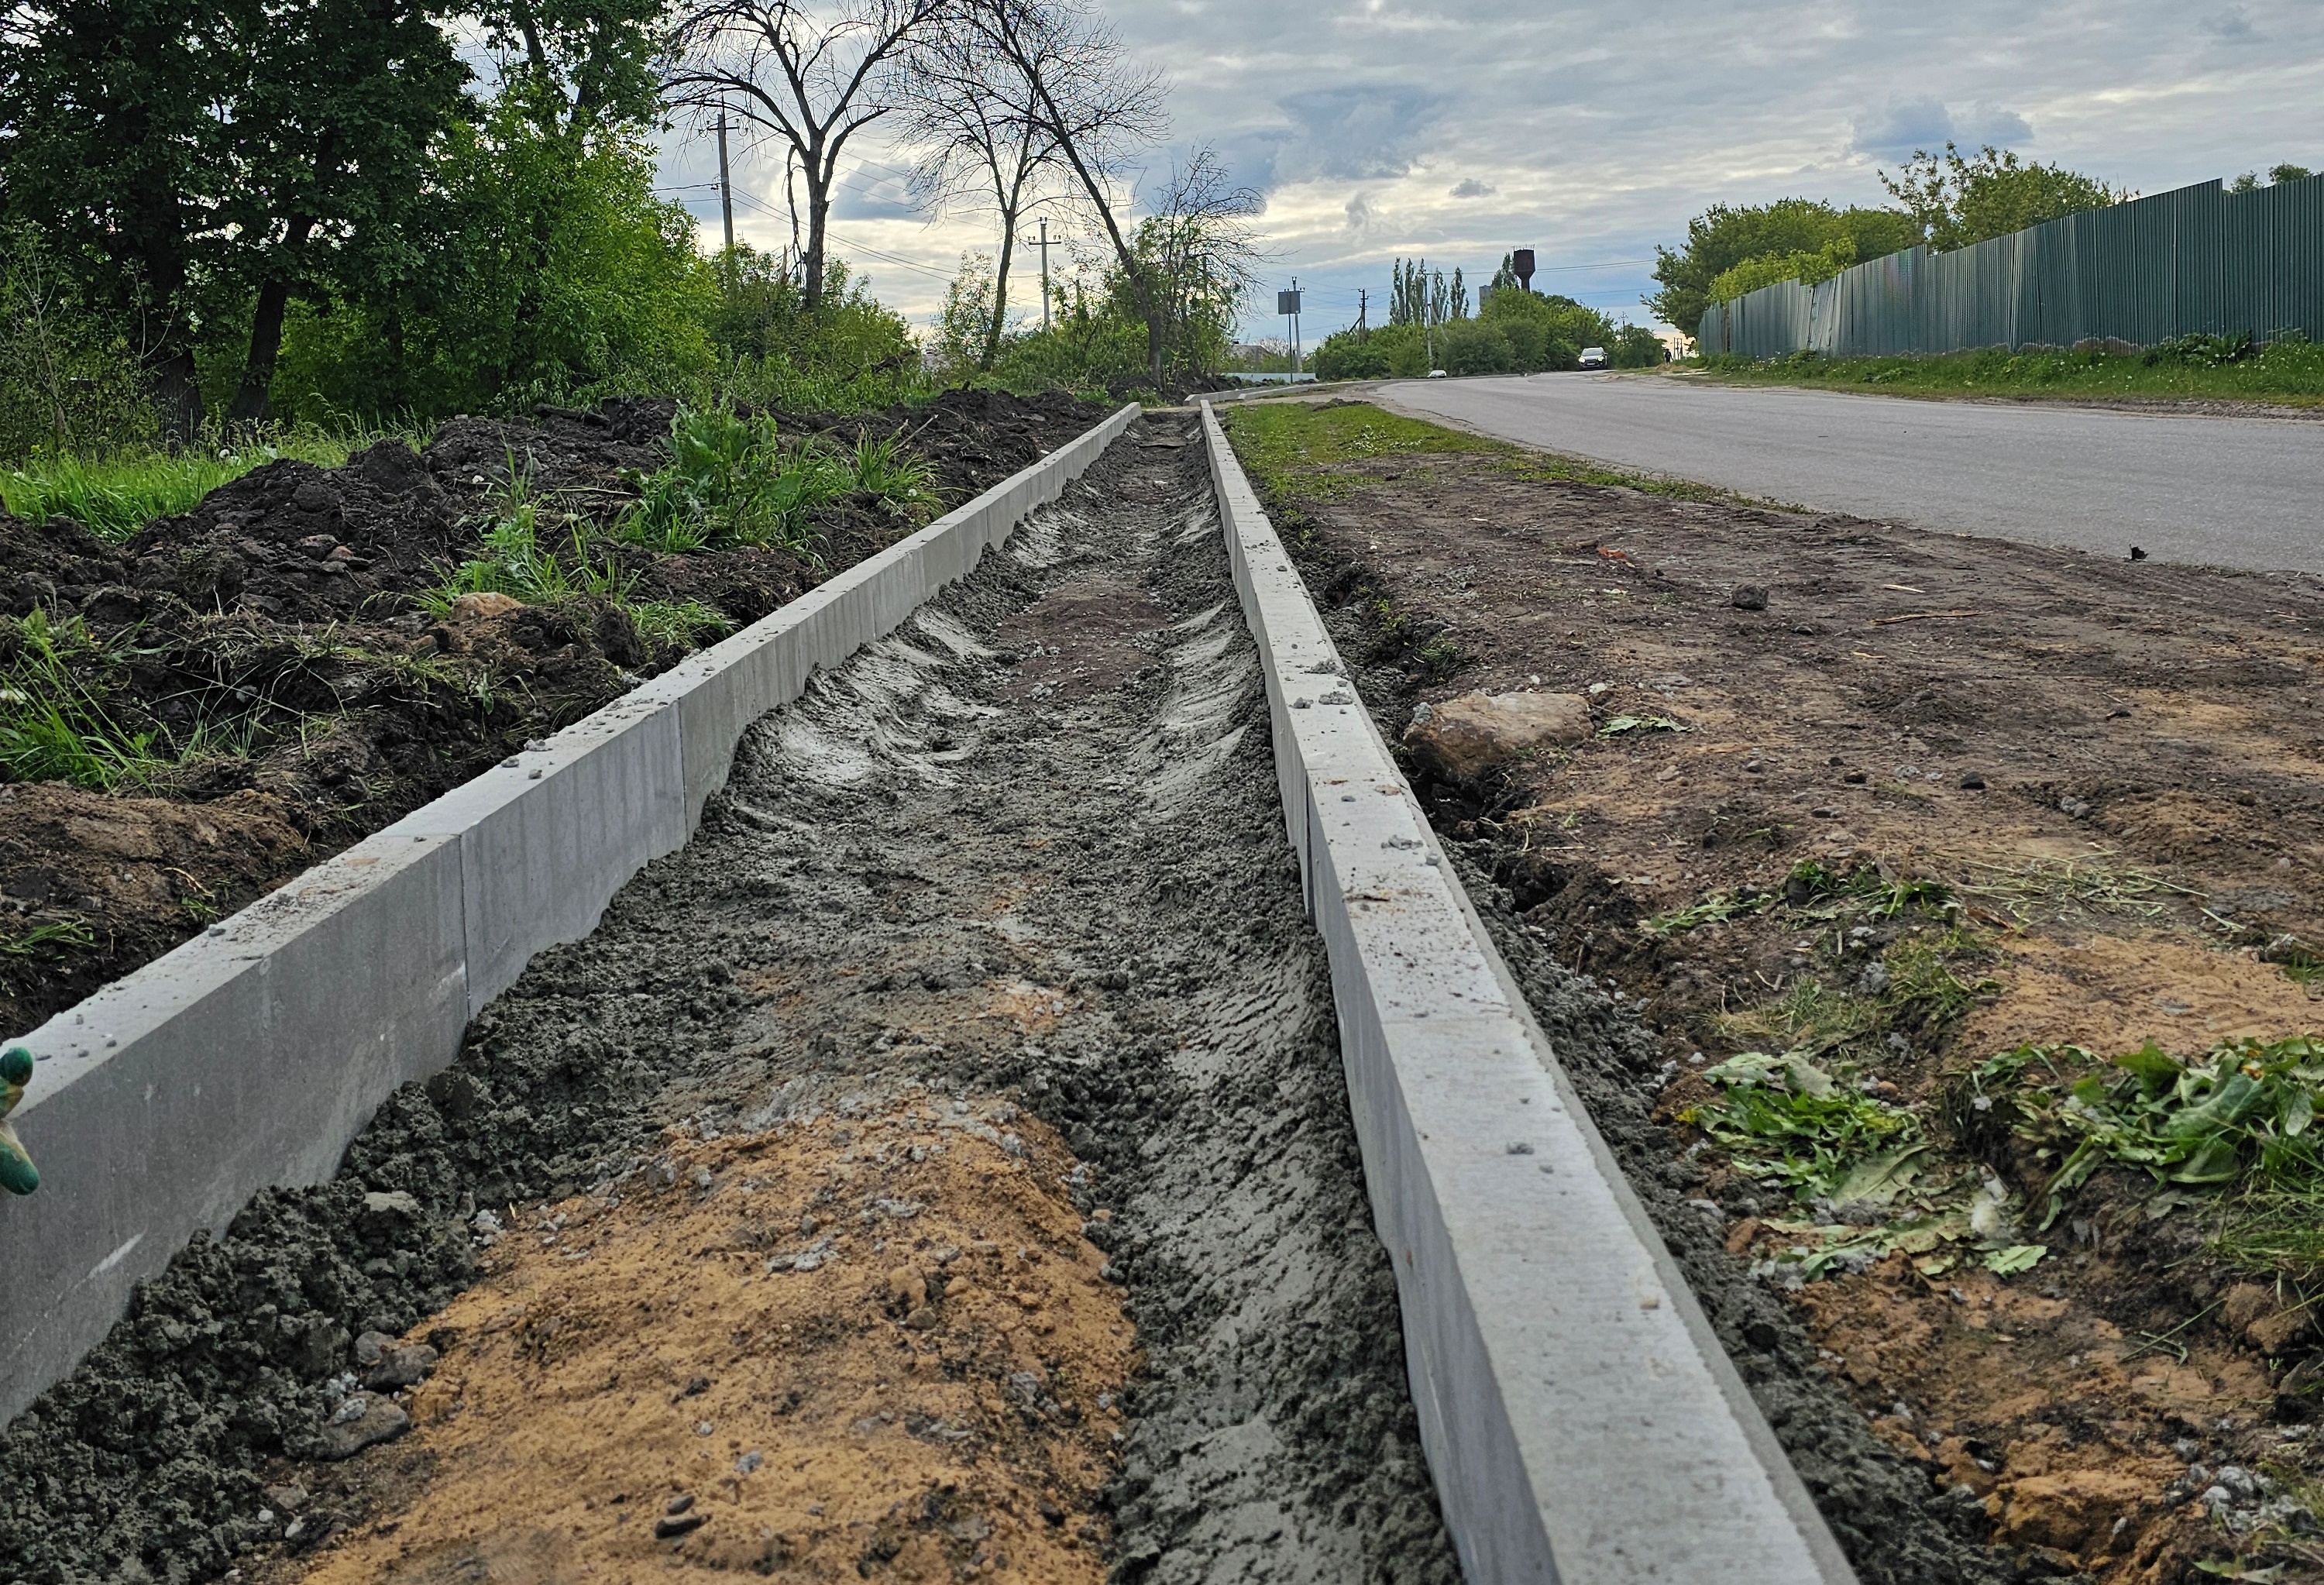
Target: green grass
<point>2286,372</point>
<point>1278,442</point>
<point>54,724</point>
<point>517,557</point>
<point>116,495</point>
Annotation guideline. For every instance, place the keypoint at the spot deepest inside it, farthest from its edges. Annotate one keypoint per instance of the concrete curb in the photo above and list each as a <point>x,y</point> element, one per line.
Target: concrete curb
<point>1580,1419</point>
<point>251,1055</point>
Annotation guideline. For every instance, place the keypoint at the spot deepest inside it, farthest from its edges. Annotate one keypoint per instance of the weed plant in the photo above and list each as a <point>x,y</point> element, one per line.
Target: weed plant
<point>2242,1114</point>
<point>731,483</point>
<point>1784,1120</point>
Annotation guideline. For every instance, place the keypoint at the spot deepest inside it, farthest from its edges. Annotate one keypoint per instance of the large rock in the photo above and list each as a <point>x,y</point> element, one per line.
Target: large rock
<point>1464,737</point>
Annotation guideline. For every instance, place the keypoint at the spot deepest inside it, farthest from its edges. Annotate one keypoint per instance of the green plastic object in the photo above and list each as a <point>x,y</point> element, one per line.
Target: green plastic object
<point>18,1176</point>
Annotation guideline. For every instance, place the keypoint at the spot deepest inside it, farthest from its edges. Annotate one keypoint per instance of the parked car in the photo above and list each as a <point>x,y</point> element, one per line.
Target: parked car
<point>1593,357</point>
<point>1436,373</point>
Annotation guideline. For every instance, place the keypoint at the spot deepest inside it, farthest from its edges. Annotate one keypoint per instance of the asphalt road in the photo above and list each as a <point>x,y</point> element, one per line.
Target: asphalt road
<point>2220,491</point>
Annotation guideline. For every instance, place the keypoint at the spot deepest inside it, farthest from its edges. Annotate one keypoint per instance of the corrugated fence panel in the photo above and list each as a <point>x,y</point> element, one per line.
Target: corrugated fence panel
<point>2196,260</point>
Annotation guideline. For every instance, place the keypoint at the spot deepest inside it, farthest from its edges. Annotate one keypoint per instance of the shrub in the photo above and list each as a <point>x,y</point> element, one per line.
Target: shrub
<point>1473,346</point>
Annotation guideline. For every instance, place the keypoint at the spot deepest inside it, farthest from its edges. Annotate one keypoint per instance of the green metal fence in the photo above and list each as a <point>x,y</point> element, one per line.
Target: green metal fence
<point>2199,259</point>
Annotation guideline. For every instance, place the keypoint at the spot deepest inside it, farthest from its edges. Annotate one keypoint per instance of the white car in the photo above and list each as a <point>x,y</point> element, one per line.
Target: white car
<point>1436,373</point>
<point>1593,357</point>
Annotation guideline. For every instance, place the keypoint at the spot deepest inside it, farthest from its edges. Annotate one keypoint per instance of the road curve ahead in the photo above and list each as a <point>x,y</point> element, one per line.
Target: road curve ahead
<point>2225,492</point>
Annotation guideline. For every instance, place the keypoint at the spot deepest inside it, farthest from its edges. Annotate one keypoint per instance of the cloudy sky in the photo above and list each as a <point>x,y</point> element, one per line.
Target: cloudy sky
<point>1592,131</point>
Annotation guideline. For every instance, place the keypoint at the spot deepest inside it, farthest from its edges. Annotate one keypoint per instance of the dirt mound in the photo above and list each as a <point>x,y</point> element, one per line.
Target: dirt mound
<point>272,642</point>
<point>53,564</point>
<point>152,871</point>
<point>302,543</point>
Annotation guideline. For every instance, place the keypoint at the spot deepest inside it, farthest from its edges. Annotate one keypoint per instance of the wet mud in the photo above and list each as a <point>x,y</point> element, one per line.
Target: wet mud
<point>1028,853</point>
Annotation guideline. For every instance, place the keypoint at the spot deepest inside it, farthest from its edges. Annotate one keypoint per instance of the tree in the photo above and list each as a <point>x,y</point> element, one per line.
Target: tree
<point>547,271</point>
<point>1725,234</point>
<point>589,62</point>
<point>113,149</point>
<point>1099,110</point>
<point>2277,175</point>
<point>198,165</point>
<point>1200,259</point>
<point>807,78</point>
<point>1954,201</point>
<point>981,144</point>
<point>1768,269</point>
<point>327,147</point>
<point>1407,300</point>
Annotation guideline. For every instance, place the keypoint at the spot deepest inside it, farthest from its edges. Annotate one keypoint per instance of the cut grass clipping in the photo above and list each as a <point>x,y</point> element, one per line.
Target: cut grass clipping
<point>2241,1118</point>
<point>1861,1169</point>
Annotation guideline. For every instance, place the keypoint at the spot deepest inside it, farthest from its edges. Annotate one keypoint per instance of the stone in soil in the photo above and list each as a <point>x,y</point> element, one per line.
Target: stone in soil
<point>1464,737</point>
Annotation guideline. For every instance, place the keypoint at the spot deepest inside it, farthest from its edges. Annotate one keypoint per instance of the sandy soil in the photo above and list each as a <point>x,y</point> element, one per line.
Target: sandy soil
<point>643,1375</point>
<point>2115,767</point>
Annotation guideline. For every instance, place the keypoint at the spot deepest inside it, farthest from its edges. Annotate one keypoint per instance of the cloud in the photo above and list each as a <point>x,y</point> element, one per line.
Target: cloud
<point>869,192</point>
<point>1904,126</point>
<point>2231,26</point>
<point>1605,124</point>
<point>1357,133</point>
<point>1471,188</point>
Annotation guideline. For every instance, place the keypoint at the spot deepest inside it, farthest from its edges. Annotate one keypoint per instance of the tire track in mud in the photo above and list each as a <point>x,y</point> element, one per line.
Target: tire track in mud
<point>1029,846</point>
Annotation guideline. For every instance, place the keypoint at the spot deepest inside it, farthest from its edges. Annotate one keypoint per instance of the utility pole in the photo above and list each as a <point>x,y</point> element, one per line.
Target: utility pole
<point>1294,328</point>
<point>1044,272</point>
<point>726,197</point>
<point>1363,304</point>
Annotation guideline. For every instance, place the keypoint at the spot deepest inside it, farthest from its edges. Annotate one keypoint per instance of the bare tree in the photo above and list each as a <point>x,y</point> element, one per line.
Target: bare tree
<point>808,76</point>
<point>1099,109</point>
<point>1199,250</point>
<point>980,142</point>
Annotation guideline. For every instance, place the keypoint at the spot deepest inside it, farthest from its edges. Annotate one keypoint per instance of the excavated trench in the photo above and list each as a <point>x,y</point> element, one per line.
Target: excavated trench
<point>1027,850</point>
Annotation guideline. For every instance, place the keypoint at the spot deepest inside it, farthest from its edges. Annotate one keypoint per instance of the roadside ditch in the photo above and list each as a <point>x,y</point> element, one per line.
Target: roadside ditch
<point>942,1161</point>
<point>1870,864</point>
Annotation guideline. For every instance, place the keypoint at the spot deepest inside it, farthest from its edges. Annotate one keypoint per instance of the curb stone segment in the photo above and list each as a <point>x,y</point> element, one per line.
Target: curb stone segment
<point>251,1054</point>
<point>1579,1417</point>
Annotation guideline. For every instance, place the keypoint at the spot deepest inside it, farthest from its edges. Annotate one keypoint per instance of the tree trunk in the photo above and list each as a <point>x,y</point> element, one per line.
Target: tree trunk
<point>177,396</point>
<point>1000,293</point>
<point>255,396</point>
<point>1157,341</point>
<point>819,213</point>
